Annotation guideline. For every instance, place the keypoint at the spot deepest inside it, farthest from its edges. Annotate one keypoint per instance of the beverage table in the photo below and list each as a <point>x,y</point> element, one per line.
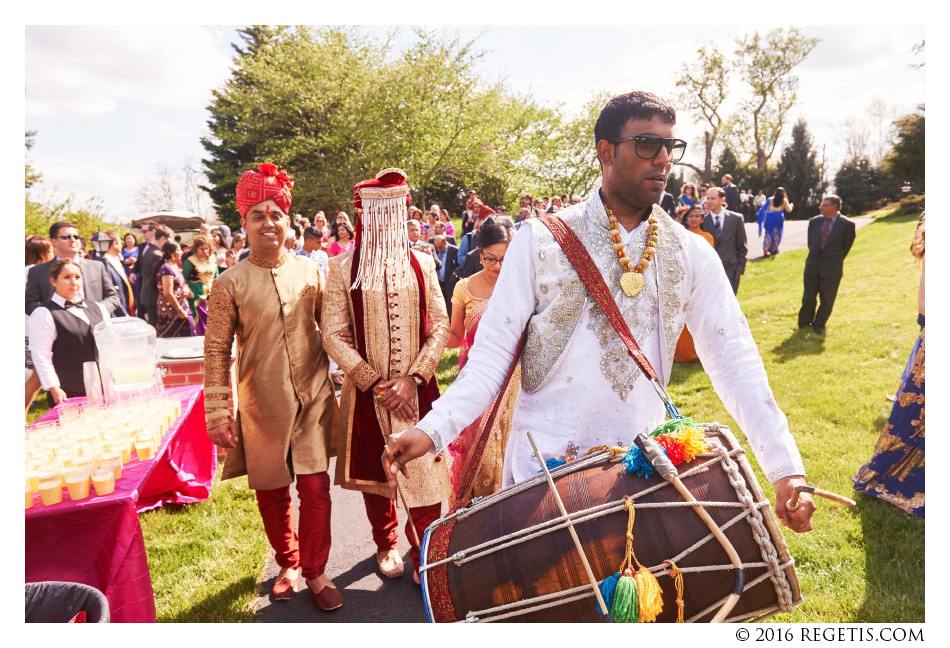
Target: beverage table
<point>98,540</point>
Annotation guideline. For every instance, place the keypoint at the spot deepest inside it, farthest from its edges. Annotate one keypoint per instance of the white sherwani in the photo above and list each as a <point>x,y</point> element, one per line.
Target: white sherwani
<point>580,388</point>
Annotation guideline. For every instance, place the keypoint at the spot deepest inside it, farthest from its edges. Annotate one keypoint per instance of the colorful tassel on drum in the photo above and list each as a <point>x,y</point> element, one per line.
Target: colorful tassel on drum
<point>681,440</point>
<point>625,607</point>
<point>649,595</point>
<point>607,588</point>
<point>634,597</point>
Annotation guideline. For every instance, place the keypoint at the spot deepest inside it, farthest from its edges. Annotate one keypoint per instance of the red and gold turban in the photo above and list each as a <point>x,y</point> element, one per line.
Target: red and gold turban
<point>267,182</point>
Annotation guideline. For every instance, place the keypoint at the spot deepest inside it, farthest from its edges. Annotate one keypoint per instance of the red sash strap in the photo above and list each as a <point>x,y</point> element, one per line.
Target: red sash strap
<point>475,454</point>
<point>579,257</point>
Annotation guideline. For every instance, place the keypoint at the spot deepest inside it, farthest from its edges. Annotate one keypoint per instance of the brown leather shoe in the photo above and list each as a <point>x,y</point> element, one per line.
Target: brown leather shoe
<point>286,586</point>
<point>390,563</point>
<point>328,598</point>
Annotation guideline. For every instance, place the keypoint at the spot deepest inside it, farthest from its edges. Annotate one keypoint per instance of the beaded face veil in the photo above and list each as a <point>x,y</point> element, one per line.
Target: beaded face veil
<point>383,238</point>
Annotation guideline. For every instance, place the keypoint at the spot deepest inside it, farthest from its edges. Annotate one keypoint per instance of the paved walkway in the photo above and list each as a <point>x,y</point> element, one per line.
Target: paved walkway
<point>368,596</point>
<point>794,236</point>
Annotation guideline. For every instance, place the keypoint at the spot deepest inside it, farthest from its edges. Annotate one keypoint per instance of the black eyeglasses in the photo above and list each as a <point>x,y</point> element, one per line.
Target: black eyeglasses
<point>490,260</point>
<point>648,146</point>
<point>69,237</point>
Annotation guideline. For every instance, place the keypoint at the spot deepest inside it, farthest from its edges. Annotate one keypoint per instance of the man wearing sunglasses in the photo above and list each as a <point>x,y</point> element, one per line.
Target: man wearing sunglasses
<point>67,244</point>
<point>580,388</point>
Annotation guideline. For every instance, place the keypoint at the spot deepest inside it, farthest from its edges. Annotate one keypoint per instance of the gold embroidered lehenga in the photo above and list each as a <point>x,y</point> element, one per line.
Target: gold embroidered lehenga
<point>489,477</point>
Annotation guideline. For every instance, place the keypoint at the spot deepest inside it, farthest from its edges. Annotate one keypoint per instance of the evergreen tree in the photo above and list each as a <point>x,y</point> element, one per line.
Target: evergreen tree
<point>906,160</point>
<point>863,187</point>
<point>801,175</point>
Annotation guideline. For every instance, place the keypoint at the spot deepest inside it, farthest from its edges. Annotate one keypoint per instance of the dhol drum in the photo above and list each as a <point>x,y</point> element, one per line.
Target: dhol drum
<point>510,557</point>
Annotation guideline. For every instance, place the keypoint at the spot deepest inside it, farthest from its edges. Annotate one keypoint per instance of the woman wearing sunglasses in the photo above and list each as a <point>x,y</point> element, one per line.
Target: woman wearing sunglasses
<point>468,303</point>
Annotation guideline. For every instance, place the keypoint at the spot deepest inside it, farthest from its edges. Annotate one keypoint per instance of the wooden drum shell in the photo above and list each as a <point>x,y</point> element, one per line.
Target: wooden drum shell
<point>550,563</point>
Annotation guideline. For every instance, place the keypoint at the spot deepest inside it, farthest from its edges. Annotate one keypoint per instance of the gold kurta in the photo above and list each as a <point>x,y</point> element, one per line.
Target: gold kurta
<point>391,323</point>
<point>286,402</point>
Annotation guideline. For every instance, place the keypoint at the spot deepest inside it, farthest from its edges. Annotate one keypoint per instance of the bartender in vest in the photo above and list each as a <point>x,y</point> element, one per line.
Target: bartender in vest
<point>61,334</point>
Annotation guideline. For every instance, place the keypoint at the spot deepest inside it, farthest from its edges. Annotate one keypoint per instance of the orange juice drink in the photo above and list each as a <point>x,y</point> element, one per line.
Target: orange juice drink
<point>51,489</point>
<point>103,479</point>
<point>145,448</point>
<point>29,494</point>
<point>77,482</point>
<point>113,459</point>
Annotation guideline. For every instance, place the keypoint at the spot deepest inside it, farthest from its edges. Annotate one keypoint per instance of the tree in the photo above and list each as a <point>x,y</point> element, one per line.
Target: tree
<point>32,175</point>
<point>563,155</point>
<point>906,160</point>
<point>171,189</point>
<point>869,135</point>
<point>766,65</point>
<point>729,163</point>
<point>702,86</point>
<point>863,187</point>
<point>335,106</point>
<point>800,173</point>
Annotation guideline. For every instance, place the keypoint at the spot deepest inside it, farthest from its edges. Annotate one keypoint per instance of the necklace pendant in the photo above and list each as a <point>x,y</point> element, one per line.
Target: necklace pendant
<point>632,283</point>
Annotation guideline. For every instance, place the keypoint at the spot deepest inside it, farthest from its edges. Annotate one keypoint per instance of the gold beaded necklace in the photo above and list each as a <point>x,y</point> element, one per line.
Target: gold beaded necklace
<point>632,279</point>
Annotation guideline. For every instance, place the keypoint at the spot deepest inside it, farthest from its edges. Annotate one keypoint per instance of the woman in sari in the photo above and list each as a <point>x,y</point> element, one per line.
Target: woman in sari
<point>895,474</point>
<point>199,271</point>
<point>772,218</point>
<point>693,220</point>
<point>468,303</point>
<point>174,316</point>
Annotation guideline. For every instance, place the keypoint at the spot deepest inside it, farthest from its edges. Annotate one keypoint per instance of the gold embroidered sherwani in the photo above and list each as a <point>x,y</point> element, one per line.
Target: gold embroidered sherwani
<point>391,324</point>
<point>286,401</point>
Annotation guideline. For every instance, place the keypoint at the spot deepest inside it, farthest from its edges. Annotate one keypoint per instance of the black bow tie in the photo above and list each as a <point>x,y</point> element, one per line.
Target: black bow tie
<point>79,304</point>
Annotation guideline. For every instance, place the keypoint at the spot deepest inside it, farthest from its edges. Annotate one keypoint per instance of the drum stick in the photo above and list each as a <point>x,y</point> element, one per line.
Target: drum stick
<point>402,498</point>
<point>651,449</point>
<point>792,503</point>
<point>570,527</point>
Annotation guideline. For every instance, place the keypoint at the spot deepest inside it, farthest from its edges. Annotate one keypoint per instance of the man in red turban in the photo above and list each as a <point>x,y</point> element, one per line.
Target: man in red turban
<point>400,327</point>
<point>286,402</point>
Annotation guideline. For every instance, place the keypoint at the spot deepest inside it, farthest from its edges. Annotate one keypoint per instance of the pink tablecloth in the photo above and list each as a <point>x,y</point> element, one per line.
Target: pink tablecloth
<point>98,540</point>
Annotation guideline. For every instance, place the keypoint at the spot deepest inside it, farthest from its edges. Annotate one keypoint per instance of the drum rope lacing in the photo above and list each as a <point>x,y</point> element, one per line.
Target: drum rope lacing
<point>751,511</point>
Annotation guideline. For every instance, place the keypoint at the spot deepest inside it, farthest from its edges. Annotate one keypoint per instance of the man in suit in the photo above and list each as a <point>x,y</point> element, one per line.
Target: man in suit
<point>439,230</point>
<point>830,237</point>
<point>96,285</point>
<point>150,260</point>
<point>732,193</point>
<point>668,204</point>
<point>447,255</point>
<point>728,230</point>
<point>112,260</point>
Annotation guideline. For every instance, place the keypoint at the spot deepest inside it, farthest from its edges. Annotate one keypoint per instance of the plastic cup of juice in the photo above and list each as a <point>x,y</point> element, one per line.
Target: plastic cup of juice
<point>51,487</point>
<point>29,494</point>
<point>113,459</point>
<point>103,479</point>
<point>77,482</point>
<point>145,447</point>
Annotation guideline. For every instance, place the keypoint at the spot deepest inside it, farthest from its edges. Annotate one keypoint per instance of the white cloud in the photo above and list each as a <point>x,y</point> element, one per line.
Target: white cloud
<point>88,70</point>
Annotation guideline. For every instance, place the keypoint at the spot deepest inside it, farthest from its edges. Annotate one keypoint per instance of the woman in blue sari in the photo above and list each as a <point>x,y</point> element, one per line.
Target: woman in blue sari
<point>895,473</point>
<point>772,218</point>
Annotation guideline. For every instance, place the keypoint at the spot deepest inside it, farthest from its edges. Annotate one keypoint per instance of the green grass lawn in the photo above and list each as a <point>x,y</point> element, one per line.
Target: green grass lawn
<point>864,564</point>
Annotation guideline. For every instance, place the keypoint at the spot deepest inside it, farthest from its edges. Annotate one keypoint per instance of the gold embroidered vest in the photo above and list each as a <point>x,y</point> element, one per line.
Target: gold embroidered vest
<point>560,296</point>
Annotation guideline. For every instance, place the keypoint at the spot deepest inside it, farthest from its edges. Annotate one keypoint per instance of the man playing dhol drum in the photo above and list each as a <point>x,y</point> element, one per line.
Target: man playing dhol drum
<point>580,388</point>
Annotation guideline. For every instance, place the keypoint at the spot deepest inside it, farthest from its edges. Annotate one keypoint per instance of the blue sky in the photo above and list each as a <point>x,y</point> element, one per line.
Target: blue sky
<point>109,115</point>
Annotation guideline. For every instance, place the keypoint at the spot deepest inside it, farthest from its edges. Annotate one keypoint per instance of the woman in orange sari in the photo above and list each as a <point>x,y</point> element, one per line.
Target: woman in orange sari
<point>468,303</point>
<point>685,351</point>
